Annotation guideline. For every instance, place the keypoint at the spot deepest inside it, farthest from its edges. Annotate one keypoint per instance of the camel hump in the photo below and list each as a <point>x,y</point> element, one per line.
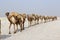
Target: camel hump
<point>24,15</point>
<point>19,16</point>
<point>13,14</point>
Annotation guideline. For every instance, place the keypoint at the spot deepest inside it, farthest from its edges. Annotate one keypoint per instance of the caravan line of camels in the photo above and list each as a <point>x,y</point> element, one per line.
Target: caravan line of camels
<point>19,19</point>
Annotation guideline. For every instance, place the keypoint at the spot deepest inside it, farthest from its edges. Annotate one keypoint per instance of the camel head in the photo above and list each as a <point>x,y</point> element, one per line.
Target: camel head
<point>7,13</point>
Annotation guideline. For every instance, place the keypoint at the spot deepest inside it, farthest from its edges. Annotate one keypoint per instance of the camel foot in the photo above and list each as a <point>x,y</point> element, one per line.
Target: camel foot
<point>21,30</point>
<point>37,23</point>
<point>14,32</point>
<point>44,22</point>
<point>9,33</point>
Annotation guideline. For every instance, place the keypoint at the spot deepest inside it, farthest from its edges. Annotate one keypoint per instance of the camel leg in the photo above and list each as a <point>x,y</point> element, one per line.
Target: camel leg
<point>9,28</point>
<point>35,22</point>
<point>14,29</point>
<point>41,20</point>
<point>45,21</point>
<point>49,20</point>
<point>56,18</point>
<point>30,23</point>
<point>38,21</point>
<point>20,27</point>
<point>17,27</point>
<point>52,19</point>
<point>23,26</point>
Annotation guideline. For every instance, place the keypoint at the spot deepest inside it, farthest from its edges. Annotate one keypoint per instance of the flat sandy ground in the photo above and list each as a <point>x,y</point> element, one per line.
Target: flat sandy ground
<point>42,31</point>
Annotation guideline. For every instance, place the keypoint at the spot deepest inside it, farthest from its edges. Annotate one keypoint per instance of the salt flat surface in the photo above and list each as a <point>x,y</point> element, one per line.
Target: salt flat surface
<point>42,31</point>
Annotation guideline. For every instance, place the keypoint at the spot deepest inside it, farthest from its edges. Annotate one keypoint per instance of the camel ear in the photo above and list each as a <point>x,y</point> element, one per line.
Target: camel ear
<point>7,13</point>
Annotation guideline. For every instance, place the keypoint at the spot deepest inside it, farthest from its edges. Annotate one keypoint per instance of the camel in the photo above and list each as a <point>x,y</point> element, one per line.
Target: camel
<point>21,21</point>
<point>41,18</point>
<point>30,18</point>
<point>24,18</point>
<point>37,18</point>
<point>53,18</point>
<point>45,18</point>
<point>48,18</point>
<point>15,19</point>
<point>33,17</point>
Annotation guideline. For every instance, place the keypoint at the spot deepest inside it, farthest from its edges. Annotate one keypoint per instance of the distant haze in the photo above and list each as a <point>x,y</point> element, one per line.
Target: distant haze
<point>43,7</point>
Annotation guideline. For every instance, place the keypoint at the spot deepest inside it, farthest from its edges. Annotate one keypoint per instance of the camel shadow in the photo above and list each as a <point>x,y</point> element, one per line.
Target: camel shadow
<point>4,36</point>
<point>32,25</point>
<point>27,27</point>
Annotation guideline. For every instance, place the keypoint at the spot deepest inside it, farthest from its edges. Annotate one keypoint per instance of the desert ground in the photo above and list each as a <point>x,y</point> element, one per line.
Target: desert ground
<point>41,31</point>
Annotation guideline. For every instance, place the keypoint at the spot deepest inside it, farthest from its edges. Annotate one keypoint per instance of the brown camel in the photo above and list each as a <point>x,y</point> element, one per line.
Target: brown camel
<point>45,18</point>
<point>24,18</point>
<point>30,18</point>
<point>48,18</point>
<point>53,18</point>
<point>41,18</point>
<point>33,17</point>
<point>37,18</point>
<point>15,19</point>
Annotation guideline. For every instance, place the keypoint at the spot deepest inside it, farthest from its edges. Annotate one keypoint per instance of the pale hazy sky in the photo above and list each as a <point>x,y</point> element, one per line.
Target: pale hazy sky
<point>43,7</point>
